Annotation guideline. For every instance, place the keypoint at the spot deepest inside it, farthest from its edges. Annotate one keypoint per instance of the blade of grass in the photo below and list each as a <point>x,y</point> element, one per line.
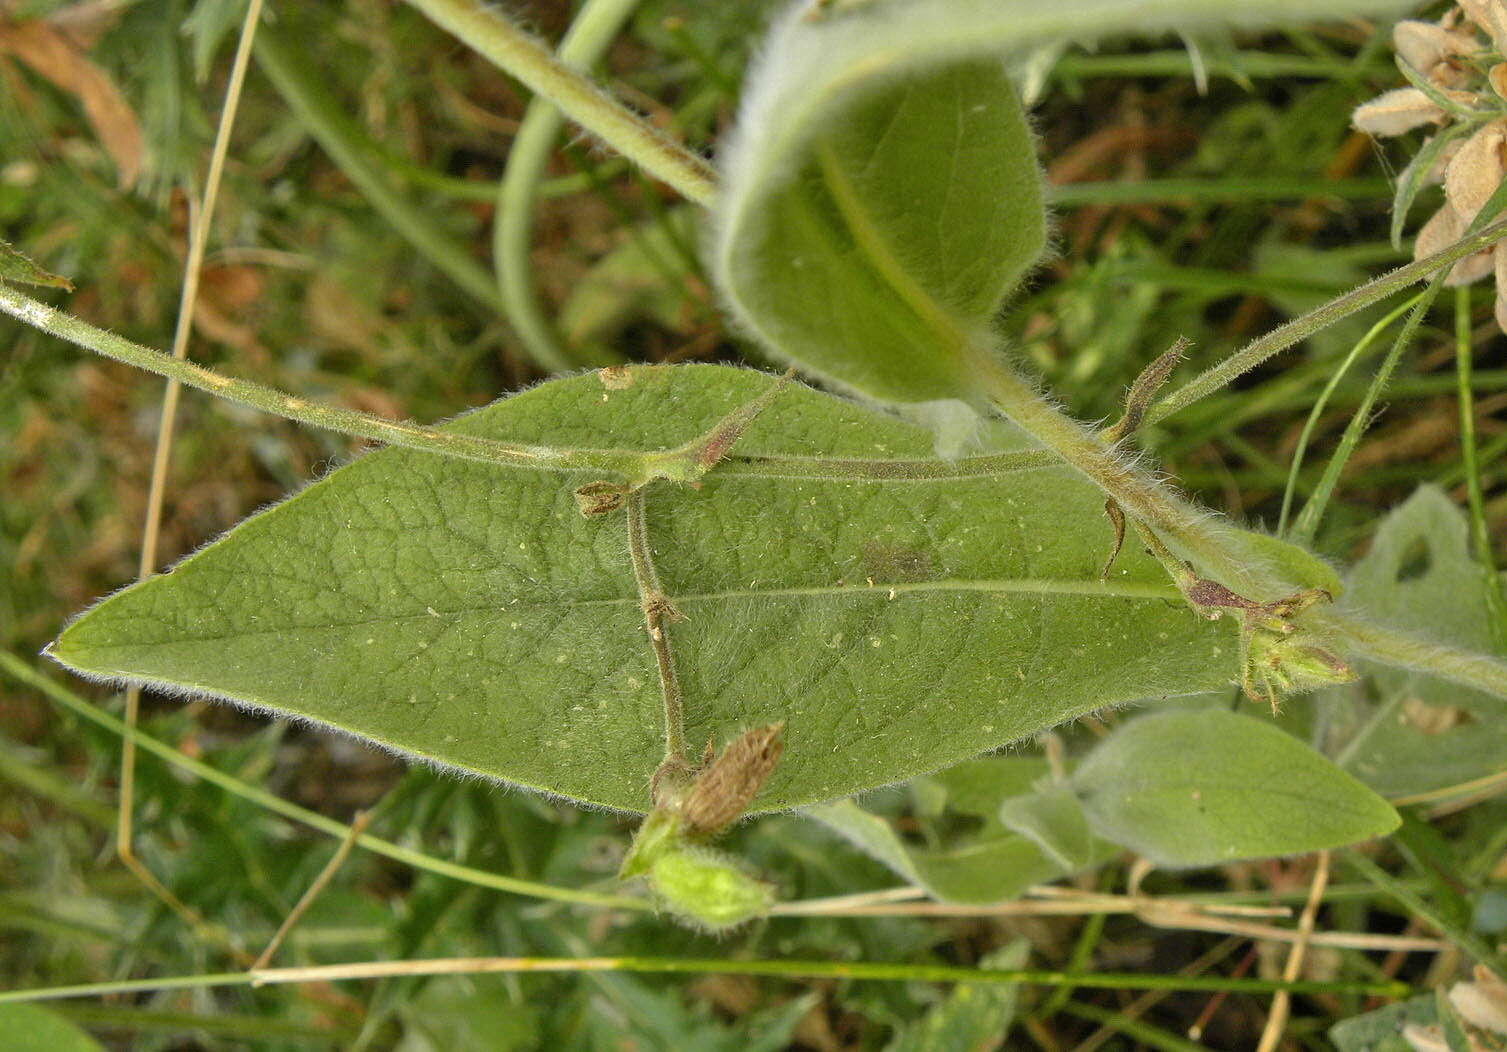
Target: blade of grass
<point>870,971</point>
<point>1317,411</point>
<point>319,112</point>
<point>24,673</point>
<point>1135,1029</point>
<point>44,784</point>
<point>1203,191</point>
<point>1307,523</point>
<point>1480,534</point>
<point>1299,329</point>
<point>1416,906</point>
<point>589,36</point>
<point>200,220</point>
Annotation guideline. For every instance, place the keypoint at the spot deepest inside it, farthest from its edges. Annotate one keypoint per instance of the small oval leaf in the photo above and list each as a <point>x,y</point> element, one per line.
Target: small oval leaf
<point>1207,787</point>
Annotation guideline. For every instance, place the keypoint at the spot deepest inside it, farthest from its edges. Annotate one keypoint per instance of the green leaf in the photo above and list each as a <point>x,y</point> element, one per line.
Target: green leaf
<point>978,871</point>
<point>468,615</point>
<point>19,268</point>
<point>1424,733</point>
<point>32,1028</point>
<point>1381,1030</point>
<point>469,1014</point>
<point>881,197</point>
<point>907,220</point>
<point>1053,819</point>
<point>1201,788</point>
<point>1419,574</point>
<point>975,1017</point>
<point>1296,565</point>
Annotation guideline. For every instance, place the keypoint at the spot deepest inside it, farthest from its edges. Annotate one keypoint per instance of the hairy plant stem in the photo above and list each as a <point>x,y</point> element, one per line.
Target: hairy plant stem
<point>256,396</point>
<point>1146,501</point>
<point>522,56</point>
<point>1198,536</point>
<point>628,463</point>
<point>658,613</point>
<point>1299,329</point>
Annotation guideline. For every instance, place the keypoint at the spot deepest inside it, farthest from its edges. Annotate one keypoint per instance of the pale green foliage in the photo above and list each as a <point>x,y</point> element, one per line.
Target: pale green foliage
<point>1207,787</point>
<point>881,198</point>
<point>973,1018</point>
<point>1423,733</point>
<point>33,1028</point>
<point>1053,819</point>
<point>906,221</point>
<point>467,613</point>
<point>991,865</point>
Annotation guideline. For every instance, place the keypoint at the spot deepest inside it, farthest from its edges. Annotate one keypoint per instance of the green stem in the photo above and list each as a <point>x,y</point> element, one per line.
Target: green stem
<point>632,464</point>
<point>1480,535</point>
<point>1307,525</point>
<point>269,400</point>
<point>1237,190</point>
<point>1416,906</point>
<point>874,971</point>
<point>23,673</point>
<point>589,36</point>
<point>658,613</point>
<point>1144,500</point>
<point>1299,329</point>
<point>517,53</point>
<point>325,119</point>
<point>1150,503</point>
<point>1391,647</point>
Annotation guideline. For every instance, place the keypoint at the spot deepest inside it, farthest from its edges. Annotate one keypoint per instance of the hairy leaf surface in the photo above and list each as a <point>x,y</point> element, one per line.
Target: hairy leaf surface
<point>1424,732</point>
<point>881,196</point>
<point>1201,788</point>
<point>469,615</point>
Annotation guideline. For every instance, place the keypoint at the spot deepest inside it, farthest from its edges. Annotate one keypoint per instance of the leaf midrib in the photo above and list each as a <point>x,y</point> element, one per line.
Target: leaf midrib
<point>1010,586</point>
<point>871,243</point>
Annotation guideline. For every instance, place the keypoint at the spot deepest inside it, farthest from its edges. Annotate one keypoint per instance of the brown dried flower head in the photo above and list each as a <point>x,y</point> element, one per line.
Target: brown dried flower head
<point>728,784</point>
<point>1459,88</point>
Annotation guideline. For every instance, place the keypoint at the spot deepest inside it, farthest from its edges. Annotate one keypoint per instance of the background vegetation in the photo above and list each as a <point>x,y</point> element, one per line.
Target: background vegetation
<point>1207,190</point>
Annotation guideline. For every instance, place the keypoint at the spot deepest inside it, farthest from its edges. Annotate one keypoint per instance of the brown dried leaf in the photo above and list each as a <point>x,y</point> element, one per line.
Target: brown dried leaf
<point>1499,260</point>
<point>51,56</point>
<point>1482,1002</point>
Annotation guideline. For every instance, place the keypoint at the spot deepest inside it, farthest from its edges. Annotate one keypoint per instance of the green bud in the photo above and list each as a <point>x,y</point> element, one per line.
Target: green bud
<point>708,888</point>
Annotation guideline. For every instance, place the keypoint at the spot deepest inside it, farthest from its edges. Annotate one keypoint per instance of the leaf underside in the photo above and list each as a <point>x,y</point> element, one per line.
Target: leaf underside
<point>880,198</point>
<point>467,614</point>
<point>1207,787</point>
